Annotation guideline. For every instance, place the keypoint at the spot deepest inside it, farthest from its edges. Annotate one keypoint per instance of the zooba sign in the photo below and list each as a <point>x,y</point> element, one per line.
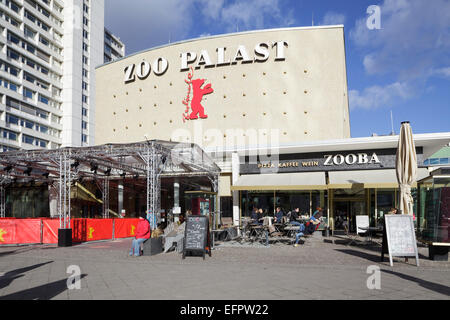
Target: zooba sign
<point>323,161</point>
<point>350,159</point>
<point>196,88</point>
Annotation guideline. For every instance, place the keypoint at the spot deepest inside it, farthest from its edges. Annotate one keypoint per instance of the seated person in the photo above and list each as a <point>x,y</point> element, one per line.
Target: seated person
<point>300,233</point>
<point>143,233</point>
<point>311,226</point>
<point>255,216</point>
<point>278,215</point>
<point>294,217</point>
<point>318,213</point>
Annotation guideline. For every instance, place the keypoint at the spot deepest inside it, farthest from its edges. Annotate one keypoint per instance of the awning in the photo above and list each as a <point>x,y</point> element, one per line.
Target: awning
<point>281,181</point>
<point>368,178</point>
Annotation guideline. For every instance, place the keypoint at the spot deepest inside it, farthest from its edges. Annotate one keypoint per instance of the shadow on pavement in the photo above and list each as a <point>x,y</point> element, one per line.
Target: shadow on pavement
<point>7,278</point>
<point>6,253</point>
<point>17,251</point>
<point>439,288</point>
<point>360,254</point>
<point>44,292</point>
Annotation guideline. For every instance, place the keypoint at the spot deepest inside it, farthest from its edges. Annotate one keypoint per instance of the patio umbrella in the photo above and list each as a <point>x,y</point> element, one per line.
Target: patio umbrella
<point>406,167</point>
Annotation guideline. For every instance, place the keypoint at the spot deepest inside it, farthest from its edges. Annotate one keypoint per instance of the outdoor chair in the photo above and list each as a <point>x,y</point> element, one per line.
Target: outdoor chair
<point>226,222</point>
<point>350,237</point>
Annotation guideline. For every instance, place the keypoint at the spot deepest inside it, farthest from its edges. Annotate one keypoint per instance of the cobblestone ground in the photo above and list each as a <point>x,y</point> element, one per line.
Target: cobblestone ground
<point>314,270</point>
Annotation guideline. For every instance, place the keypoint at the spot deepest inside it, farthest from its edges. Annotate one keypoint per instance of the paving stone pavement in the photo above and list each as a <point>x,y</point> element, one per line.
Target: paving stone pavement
<point>314,270</point>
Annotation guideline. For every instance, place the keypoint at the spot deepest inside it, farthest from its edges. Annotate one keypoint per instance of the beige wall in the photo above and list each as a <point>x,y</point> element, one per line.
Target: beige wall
<point>302,98</point>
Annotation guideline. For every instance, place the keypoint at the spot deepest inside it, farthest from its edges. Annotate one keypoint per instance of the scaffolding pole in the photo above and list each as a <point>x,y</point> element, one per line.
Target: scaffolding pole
<point>2,202</point>
<point>64,188</point>
<point>105,198</point>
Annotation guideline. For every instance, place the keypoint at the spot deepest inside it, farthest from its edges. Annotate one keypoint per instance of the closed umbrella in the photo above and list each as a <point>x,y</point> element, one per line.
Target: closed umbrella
<point>406,167</point>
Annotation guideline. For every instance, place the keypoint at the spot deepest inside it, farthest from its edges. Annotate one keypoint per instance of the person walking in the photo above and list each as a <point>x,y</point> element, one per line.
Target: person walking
<point>143,233</point>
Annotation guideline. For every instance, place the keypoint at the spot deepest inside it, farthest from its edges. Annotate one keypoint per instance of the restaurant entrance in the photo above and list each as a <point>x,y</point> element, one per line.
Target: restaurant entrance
<point>345,213</point>
<point>346,205</point>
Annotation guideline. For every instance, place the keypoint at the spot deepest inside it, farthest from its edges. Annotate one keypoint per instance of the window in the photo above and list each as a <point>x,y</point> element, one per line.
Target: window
<point>85,47</point>
<point>84,112</point>
<point>84,138</point>
<point>43,99</point>
<point>44,41</point>
<point>43,129</point>
<point>13,38</point>
<point>28,77</point>
<point>13,55</point>
<point>28,93</point>
<point>84,125</point>
<point>85,60</point>
<point>85,73</point>
<point>85,99</point>
<point>29,33</point>
<point>29,124</point>
<point>42,114</point>
<point>9,135</point>
<point>85,86</point>
<point>12,119</point>
<point>27,139</point>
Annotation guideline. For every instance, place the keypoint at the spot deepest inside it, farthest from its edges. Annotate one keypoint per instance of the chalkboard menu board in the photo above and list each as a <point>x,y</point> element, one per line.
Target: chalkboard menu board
<point>196,235</point>
<point>400,237</point>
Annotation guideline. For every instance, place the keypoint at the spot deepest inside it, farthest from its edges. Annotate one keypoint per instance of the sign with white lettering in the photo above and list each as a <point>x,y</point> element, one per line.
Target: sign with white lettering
<point>188,60</point>
<point>330,161</point>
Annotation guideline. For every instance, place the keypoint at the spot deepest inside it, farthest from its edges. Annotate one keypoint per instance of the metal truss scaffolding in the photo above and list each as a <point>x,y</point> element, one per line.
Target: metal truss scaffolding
<point>61,168</point>
<point>2,202</point>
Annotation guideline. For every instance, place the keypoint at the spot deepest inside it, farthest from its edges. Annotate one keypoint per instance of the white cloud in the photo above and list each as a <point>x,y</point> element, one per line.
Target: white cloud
<point>246,15</point>
<point>411,46</point>
<point>377,96</point>
<point>144,24</point>
<point>414,38</point>
<point>150,22</point>
<point>333,18</point>
<point>444,72</point>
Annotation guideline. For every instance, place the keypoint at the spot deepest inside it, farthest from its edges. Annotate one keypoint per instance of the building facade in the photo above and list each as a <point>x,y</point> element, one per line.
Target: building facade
<point>49,51</point>
<point>251,88</point>
<point>271,108</point>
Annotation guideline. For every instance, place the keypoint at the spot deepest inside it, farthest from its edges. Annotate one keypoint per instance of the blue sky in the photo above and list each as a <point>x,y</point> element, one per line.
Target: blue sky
<point>404,67</point>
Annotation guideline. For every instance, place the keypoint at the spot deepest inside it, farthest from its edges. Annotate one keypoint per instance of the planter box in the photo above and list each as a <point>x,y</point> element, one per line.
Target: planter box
<point>153,246</point>
<point>64,237</point>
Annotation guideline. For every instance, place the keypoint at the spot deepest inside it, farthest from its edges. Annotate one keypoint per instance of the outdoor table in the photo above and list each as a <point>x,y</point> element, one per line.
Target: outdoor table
<point>258,232</point>
<point>291,230</point>
<point>371,230</point>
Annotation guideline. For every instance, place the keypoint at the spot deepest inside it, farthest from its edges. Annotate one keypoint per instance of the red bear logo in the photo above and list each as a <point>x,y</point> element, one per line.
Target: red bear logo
<point>195,107</point>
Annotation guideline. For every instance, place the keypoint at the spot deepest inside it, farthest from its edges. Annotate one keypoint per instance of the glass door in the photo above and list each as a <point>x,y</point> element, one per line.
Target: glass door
<point>357,208</point>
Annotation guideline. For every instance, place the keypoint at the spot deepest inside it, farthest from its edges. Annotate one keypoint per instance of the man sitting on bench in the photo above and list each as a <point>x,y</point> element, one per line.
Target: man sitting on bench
<point>310,228</point>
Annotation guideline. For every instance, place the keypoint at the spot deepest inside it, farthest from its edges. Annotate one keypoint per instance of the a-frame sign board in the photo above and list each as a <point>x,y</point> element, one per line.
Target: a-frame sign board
<point>399,238</point>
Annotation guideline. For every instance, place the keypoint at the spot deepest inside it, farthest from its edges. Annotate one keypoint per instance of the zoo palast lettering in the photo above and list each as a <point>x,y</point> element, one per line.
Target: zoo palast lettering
<point>261,53</point>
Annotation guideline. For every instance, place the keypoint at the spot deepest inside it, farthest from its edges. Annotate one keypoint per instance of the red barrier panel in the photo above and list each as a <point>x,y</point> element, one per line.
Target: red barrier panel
<point>91,229</point>
<point>79,233</point>
<point>125,228</point>
<point>14,231</point>
<point>27,231</point>
<point>50,231</point>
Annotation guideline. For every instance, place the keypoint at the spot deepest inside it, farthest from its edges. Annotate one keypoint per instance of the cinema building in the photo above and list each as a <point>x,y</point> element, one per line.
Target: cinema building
<point>271,109</point>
